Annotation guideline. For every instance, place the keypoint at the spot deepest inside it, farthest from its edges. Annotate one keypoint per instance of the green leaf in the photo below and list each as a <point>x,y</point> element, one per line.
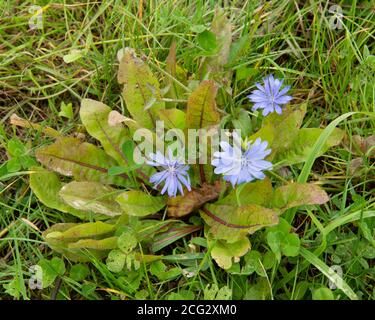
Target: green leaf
<point>46,186</point>
<point>290,245</point>
<point>117,170</point>
<point>253,263</point>
<point>285,130</point>
<point>283,226</point>
<point>244,73</point>
<point>82,230</point>
<point>128,151</point>
<point>58,265</point>
<point>225,253</point>
<point>301,289</point>
<point>83,161</point>
<point>91,196</point>
<point>281,130</point>
<point>281,241</point>
<point>269,260</point>
<point>265,133</point>
<point>159,270</point>
<point>13,165</point>
<point>231,222</point>
<point>138,203</point>
<point>171,274</point>
<point>94,116</point>
<point>274,241</point>
<point>51,269</point>
<point>224,293</point>
<point>133,261</point>
<point>290,118</point>
<point>198,28</point>
<point>242,122</point>
<point>16,148</point>
<point>297,194</point>
<point>212,292</point>
<point>127,241</point>
<point>181,295</point>
<point>141,294</point>
<point>303,143</point>
<point>102,244</point>
<point>259,192</point>
<point>201,106</point>
<point>88,290</point>
<point>199,241</point>
<point>79,272</point>
<point>260,291</point>
<point>322,294</point>
<point>116,261</point>
<point>207,41</point>
<point>173,118</point>
<point>66,110</point>
<point>141,89</point>
<point>81,242</point>
<point>19,158</point>
<point>27,161</point>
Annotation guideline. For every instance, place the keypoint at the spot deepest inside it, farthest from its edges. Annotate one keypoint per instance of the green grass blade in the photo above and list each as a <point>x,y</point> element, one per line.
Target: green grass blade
<point>302,178</point>
<point>354,216</point>
<point>319,145</point>
<point>332,276</point>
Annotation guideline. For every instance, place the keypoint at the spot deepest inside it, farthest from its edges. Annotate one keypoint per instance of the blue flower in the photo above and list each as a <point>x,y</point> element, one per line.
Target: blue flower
<point>269,97</point>
<point>244,167</point>
<point>174,173</point>
<point>228,162</point>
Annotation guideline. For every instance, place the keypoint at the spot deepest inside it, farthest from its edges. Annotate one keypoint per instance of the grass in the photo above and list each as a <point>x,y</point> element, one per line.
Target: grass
<point>326,67</point>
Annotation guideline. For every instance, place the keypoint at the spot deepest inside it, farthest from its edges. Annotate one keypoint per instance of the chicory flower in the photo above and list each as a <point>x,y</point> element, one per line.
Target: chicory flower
<point>174,173</point>
<point>269,97</point>
<point>245,166</point>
